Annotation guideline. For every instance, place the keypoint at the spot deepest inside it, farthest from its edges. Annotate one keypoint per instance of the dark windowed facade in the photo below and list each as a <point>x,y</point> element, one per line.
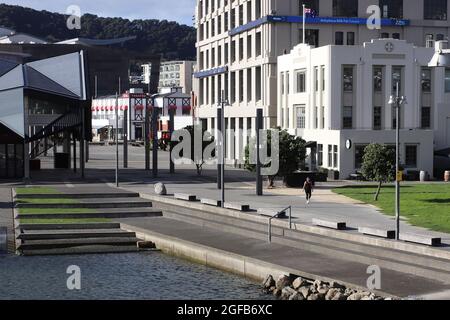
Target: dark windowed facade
<point>312,37</point>
<point>426,118</point>
<point>345,8</point>
<point>391,9</point>
<point>411,156</point>
<point>435,9</point>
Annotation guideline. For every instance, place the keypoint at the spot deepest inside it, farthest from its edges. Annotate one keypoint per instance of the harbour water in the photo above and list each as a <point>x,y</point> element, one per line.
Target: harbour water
<point>145,275</point>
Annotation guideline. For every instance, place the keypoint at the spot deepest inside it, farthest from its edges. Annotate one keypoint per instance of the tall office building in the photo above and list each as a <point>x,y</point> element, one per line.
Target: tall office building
<point>238,43</point>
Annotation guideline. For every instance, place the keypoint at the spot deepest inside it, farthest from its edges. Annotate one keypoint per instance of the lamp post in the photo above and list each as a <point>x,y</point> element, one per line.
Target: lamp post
<point>397,101</point>
<point>117,140</point>
<point>222,141</point>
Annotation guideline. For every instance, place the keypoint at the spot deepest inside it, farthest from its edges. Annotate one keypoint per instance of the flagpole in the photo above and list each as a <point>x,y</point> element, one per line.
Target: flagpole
<point>304,18</point>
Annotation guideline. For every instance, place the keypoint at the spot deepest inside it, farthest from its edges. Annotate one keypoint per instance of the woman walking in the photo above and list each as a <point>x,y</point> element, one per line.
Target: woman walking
<point>308,188</point>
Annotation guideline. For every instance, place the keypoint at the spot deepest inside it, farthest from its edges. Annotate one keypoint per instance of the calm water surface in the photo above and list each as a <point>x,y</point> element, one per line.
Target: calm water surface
<point>147,275</point>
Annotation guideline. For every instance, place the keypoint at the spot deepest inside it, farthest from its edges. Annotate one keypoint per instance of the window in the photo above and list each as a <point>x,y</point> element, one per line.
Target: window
<point>241,49</point>
<point>378,79</point>
<point>322,126</point>
<point>429,41</point>
<point>233,18</point>
<point>347,119</point>
<point>249,47</point>
<point>249,85</point>
<point>322,71</point>
<point>316,78</point>
<point>396,79</point>
<point>377,118</point>
<point>241,85</point>
<point>440,37</point>
<point>426,80</point>
<point>309,4</point>
<point>350,38</point>
<point>396,35</point>
<point>219,56</point>
<point>335,157</point>
<point>384,35</point>
<point>241,15</point>
<point>300,78</point>
<point>249,11</point>
<point>320,154</point>
<point>447,80</point>
<point>345,8</point>
<point>311,37</point>
<point>233,51</point>
<point>359,155</point>
<point>426,118</point>
<point>219,25</point>
<point>233,88</point>
<point>301,116</point>
<point>435,10</point>
<point>226,53</point>
<point>288,82</point>
<point>339,38</point>
<point>330,155</point>
<point>316,117</point>
<point>392,8</point>
<point>283,91</point>
<point>348,79</point>
<point>258,83</point>
<point>258,44</point>
<point>411,156</point>
<point>258,10</point>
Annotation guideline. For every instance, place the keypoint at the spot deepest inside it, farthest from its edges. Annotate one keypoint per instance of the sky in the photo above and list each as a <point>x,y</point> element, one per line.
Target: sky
<point>172,10</point>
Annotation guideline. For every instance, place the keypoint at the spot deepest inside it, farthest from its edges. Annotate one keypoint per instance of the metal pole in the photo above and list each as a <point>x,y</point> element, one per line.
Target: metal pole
<point>397,165</point>
<point>147,136</point>
<point>82,142</point>
<point>259,182</point>
<point>117,140</point>
<point>219,141</point>
<point>125,138</point>
<point>304,24</point>
<point>222,147</point>
<point>171,129</point>
<point>155,141</point>
<point>74,152</point>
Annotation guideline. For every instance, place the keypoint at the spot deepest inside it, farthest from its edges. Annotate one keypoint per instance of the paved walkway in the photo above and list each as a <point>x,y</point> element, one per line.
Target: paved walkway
<point>395,283</point>
<point>240,187</point>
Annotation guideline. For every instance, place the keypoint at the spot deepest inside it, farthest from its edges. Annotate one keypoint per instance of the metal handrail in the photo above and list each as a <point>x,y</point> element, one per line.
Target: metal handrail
<point>276,216</point>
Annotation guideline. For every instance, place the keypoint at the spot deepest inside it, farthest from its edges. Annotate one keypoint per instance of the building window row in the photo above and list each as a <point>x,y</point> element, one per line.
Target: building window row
<point>212,58</point>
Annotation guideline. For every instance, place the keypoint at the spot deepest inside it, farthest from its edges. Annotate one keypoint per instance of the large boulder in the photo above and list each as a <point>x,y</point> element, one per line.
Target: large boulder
<point>356,296</point>
<point>268,282</point>
<point>297,296</point>
<point>332,293</point>
<point>283,281</point>
<point>298,283</point>
<point>287,292</point>
<point>305,291</point>
<point>337,285</point>
<point>160,189</point>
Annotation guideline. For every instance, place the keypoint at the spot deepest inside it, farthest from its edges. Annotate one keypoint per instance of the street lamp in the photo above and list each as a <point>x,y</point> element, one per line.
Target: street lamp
<point>397,101</point>
<point>222,141</point>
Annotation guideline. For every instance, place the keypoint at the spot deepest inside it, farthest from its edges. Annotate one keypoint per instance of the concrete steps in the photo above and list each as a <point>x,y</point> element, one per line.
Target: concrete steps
<point>95,249</point>
<point>75,234</point>
<point>79,242</point>
<point>79,195</point>
<point>424,266</point>
<point>143,212</point>
<point>79,238</point>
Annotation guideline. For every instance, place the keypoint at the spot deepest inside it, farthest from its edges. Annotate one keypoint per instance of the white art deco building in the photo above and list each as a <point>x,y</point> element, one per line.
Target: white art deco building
<point>336,97</point>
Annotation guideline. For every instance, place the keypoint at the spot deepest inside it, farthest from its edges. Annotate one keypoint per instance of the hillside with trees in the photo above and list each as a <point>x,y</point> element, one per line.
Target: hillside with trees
<point>171,39</point>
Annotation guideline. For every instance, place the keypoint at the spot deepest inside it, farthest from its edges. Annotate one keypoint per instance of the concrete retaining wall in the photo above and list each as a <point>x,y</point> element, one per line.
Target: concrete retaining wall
<point>3,240</point>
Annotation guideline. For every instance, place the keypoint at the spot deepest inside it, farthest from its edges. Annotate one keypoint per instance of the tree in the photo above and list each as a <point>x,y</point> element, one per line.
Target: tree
<point>199,160</point>
<point>378,165</point>
<point>292,153</point>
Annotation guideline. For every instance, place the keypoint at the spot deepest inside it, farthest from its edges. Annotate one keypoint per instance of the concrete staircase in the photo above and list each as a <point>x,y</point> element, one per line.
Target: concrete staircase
<point>255,226</point>
<point>83,237</point>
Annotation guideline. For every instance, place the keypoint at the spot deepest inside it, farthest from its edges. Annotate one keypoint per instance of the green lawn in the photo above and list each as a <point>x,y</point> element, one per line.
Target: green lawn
<point>37,190</point>
<point>61,221</point>
<point>47,200</point>
<point>424,205</point>
<point>57,210</point>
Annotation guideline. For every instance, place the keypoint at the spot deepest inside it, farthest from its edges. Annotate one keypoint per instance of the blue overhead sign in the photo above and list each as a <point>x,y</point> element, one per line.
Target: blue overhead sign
<point>210,72</point>
<point>316,20</point>
<point>335,20</point>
